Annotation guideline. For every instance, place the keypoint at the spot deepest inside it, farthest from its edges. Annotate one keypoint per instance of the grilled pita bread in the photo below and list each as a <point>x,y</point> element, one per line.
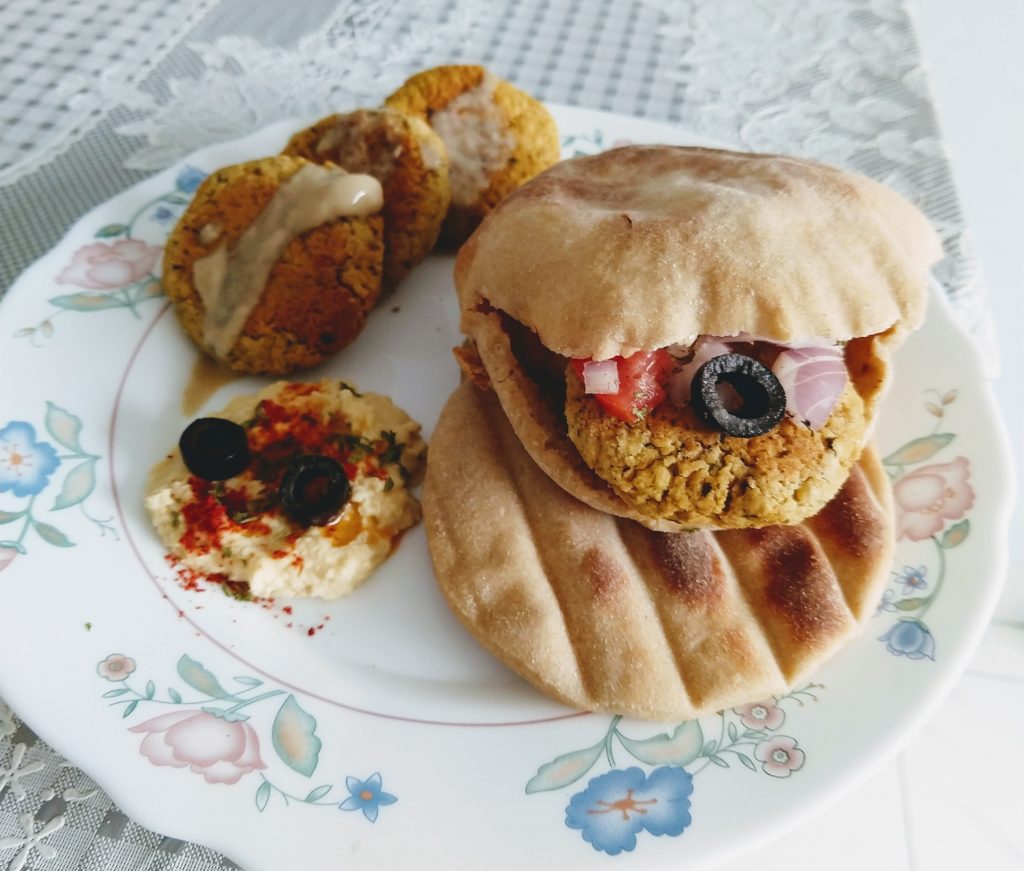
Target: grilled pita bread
<point>606,615</point>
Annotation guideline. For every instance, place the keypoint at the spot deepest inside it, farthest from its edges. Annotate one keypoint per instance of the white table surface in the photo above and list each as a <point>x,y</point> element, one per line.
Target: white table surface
<point>953,799</point>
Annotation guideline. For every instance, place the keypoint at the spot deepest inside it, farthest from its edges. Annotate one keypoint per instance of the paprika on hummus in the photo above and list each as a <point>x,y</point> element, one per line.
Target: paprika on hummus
<point>257,527</point>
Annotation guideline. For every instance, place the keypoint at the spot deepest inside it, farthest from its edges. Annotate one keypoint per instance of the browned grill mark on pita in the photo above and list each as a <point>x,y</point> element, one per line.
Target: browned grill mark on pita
<point>792,591</point>
<point>606,576</point>
<point>801,587</point>
<point>849,524</point>
<point>853,533</point>
<point>688,567</point>
<point>634,540</point>
<point>720,650</point>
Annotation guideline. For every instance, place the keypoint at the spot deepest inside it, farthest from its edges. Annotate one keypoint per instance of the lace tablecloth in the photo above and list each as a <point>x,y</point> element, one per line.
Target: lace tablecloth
<point>97,95</point>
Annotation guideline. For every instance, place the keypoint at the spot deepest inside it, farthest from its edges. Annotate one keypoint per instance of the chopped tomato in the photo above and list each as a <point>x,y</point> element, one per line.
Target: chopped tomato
<point>641,379</point>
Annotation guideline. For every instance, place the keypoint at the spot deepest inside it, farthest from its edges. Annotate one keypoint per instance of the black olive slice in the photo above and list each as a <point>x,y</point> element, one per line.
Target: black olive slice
<point>738,395</point>
<point>214,449</point>
<point>314,489</point>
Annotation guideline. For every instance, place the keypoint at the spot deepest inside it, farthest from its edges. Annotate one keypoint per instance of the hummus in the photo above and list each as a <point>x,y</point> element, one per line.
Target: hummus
<point>235,530</point>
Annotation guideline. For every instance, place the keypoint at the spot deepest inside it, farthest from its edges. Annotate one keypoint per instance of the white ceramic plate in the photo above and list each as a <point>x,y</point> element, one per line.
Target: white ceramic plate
<point>372,732</point>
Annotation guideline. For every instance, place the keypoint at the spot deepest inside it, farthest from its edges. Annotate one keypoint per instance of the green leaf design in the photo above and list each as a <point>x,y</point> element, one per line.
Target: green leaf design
<point>719,761</point>
<point>746,760</point>
<point>955,534</point>
<point>263,796</point>
<point>64,426</point>
<point>9,516</point>
<point>708,749</point>
<point>318,793</point>
<point>566,769</point>
<point>111,230</point>
<point>175,199</point>
<point>17,545</point>
<point>51,535</point>
<point>129,709</point>
<point>78,484</point>
<point>679,748</point>
<point>110,694</point>
<point>87,302</point>
<point>919,450</point>
<point>199,678</point>
<point>24,332</point>
<point>294,737</point>
<point>174,695</point>
<point>150,689</point>
<point>249,681</point>
<point>911,604</point>
<point>733,732</point>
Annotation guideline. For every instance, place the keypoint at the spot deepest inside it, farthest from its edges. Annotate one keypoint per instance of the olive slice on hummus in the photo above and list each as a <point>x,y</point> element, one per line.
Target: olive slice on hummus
<point>314,489</point>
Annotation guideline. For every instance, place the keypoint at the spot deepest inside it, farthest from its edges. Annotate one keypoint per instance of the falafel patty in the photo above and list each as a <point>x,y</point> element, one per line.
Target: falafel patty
<point>673,466</point>
<point>497,137</point>
<point>316,295</point>
<point>409,160</point>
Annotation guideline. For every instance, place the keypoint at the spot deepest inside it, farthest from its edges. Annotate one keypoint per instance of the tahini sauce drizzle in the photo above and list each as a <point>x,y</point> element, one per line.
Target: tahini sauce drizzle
<point>230,282</point>
<point>206,378</point>
<point>473,130</point>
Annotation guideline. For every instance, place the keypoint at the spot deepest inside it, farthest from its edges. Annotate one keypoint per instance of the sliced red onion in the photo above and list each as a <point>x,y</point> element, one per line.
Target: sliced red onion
<point>813,378</point>
<point>678,385</point>
<point>601,376</point>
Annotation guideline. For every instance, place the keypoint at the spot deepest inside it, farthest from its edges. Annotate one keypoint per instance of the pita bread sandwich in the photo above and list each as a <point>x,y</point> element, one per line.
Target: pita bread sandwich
<point>694,338</point>
<point>605,615</point>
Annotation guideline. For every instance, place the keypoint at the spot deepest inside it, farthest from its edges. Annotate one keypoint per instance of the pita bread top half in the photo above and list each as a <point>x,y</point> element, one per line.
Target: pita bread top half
<point>641,247</point>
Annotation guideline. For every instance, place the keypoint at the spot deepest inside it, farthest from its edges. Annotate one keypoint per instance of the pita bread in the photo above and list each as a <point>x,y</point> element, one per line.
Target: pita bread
<point>606,615</point>
<point>641,247</point>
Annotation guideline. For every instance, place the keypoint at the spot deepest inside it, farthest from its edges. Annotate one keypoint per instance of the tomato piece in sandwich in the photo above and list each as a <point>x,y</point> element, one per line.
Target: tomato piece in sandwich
<point>641,384</point>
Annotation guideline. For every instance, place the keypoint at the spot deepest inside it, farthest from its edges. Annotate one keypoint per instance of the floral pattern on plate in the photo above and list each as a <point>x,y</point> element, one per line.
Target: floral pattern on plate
<point>620,804</point>
<point>927,498</point>
<point>212,737</point>
<point>28,462</point>
<point>119,270</point>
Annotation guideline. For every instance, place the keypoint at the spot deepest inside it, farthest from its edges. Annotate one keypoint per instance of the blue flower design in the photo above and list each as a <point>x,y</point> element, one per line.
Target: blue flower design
<point>189,178</point>
<point>909,638</point>
<point>913,578</point>
<point>366,796</point>
<point>162,215</point>
<point>616,806</point>
<point>25,464</point>
<point>886,603</point>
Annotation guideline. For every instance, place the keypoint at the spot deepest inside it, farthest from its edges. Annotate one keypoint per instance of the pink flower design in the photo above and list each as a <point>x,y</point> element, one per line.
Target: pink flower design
<point>7,555</point>
<point>116,667</point>
<point>110,265</point>
<point>779,756</point>
<point>219,749</point>
<point>761,715</point>
<point>928,497</point>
